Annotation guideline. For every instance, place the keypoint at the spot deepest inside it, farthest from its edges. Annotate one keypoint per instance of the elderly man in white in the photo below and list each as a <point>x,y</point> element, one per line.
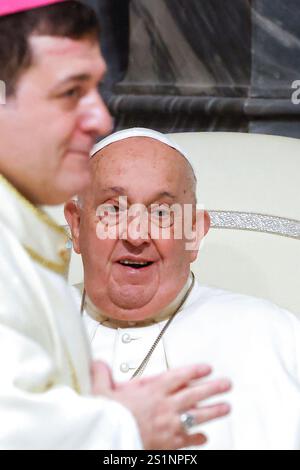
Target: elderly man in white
<point>143,309</point>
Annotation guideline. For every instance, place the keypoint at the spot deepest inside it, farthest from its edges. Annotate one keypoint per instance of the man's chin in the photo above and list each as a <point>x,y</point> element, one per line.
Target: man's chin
<point>76,170</point>
<point>70,186</point>
<point>132,297</point>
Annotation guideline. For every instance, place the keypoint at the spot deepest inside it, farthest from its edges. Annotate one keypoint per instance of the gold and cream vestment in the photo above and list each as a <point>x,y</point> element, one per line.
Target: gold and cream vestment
<point>45,400</point>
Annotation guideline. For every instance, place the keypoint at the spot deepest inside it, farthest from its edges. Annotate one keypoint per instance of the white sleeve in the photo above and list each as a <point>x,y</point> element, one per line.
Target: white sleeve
<point>37,413</point>
<point>295,343</point>
<point>38,410</point>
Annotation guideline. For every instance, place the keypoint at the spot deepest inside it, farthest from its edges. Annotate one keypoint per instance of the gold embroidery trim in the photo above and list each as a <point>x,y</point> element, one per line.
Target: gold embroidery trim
<point>39,213</point>
<point>56,267</point>
<point>74,378</point>
<point>44,218</point>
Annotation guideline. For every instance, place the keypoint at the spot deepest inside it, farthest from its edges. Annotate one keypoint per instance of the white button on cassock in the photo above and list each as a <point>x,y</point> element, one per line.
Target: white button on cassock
<point>126,338</point>
<point>124,367</point>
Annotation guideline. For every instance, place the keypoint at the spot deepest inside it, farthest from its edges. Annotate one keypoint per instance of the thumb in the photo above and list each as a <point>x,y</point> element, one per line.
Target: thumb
<point>102,381</point>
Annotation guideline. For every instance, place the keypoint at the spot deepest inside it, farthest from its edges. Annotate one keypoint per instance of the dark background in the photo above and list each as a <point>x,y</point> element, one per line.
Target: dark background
<point>202,65</point>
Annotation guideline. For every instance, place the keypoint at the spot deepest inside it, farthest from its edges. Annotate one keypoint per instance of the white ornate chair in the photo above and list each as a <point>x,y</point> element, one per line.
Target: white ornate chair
<point>251,186</point>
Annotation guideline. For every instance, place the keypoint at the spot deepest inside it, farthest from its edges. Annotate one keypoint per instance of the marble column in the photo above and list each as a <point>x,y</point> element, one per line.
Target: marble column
<point>197,65</point>
<point>275,66</point>
<point>189,65</point>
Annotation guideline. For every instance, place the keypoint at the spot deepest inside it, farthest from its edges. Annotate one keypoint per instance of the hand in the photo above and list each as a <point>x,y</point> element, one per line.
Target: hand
<point>157,403</point>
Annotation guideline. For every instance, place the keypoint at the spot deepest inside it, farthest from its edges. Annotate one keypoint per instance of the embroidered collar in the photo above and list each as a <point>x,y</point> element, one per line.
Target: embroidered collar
<point>163,315</point>
<point>44,241</point>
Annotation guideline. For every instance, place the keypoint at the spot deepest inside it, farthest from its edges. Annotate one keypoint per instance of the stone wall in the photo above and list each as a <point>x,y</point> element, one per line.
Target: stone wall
<point>202,65</point>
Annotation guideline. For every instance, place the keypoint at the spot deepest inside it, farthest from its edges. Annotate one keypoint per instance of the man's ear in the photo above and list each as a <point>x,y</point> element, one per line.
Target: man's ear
<point>206,222</point>
<point>201,226</point>
<point>72,215</point>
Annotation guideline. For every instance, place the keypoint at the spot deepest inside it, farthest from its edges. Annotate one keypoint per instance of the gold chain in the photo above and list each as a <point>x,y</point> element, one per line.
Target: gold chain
<point>145,361</point>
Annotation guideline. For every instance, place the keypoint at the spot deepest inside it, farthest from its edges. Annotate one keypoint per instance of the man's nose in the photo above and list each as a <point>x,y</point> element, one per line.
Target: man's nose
<point>95,118</point>
<point>137,231</point>
<point>137,241</point>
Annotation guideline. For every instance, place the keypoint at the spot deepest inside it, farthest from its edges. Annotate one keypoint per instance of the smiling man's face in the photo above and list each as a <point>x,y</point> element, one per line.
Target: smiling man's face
<point>146,172</point>
<point>49,126</point>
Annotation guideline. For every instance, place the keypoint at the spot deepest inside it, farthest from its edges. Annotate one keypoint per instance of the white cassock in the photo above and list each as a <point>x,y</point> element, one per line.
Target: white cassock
<point>45,400</point>
<point>250,341</point>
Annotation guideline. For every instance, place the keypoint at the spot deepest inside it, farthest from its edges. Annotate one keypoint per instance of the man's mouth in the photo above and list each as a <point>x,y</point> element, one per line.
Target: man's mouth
<point>135,264</point>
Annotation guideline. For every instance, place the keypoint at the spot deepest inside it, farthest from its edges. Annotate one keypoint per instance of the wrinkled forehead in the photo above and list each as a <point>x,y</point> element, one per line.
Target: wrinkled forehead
<point>140,161</point>
<point>137,152</point>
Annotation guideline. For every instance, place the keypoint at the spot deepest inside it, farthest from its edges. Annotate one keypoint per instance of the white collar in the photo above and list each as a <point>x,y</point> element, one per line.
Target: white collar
<point>103,319</point>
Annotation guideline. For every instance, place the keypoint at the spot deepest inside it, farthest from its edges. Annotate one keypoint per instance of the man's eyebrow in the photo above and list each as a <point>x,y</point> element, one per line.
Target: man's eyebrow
<point>164,194</point>
<point>114,189</point>
<point>84,77</point>
<point>121,191</point>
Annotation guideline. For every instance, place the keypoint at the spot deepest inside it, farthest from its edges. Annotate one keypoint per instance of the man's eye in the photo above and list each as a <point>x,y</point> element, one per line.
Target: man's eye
<point>110,209</point>
<point>162,216</point>
<point>72,93</point>
<point>161,212</point>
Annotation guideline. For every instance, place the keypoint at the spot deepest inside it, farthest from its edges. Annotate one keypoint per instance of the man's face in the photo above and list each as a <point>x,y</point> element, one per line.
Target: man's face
<point>48,128</point>
<point>147,172</point>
